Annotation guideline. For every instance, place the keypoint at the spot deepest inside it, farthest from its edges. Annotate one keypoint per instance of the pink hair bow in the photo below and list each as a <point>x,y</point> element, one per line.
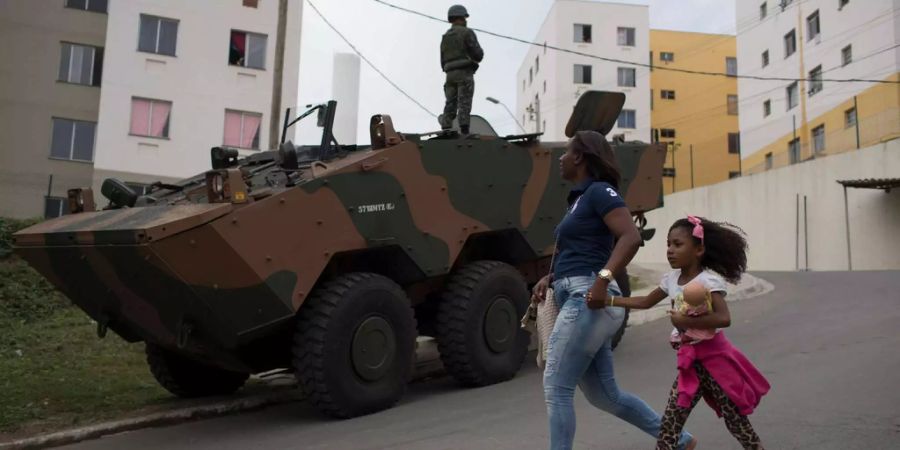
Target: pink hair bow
<point>698,227</point>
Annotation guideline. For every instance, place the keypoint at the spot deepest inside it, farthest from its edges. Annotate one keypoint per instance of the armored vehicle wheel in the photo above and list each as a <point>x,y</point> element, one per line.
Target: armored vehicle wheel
<point>188,378</point>
<point>478,331</point>
<point>354,345</point>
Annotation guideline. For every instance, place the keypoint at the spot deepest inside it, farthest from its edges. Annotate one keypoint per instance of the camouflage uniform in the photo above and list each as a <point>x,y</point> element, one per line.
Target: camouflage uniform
<point>460,55</point>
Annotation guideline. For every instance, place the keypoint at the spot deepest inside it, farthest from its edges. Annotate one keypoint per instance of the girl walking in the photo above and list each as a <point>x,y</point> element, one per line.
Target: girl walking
<point>704,252</point>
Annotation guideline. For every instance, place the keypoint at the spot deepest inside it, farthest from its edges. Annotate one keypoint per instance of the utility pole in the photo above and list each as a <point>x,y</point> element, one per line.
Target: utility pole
<point>278,73</point>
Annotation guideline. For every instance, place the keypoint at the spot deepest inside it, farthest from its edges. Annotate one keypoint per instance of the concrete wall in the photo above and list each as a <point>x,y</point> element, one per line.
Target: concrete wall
<point>198,81</point>
<point>765,206</point>
<point>557,68</point>
<point>30,96</point>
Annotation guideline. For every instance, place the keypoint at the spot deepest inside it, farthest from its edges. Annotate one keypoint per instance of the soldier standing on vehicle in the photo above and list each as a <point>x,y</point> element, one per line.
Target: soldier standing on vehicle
<point>460,55</point>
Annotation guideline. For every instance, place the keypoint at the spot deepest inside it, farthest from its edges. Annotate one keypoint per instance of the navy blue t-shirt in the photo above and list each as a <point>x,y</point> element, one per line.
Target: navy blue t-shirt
<point>584,242</point>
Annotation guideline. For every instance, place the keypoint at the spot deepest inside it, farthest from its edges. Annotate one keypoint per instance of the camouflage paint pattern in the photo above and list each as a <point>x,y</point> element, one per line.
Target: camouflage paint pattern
<point>215,277</point>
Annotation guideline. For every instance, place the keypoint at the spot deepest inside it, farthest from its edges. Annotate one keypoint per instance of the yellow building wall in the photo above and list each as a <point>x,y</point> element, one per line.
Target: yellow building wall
<point>878,116</point>
<point>699,112</point>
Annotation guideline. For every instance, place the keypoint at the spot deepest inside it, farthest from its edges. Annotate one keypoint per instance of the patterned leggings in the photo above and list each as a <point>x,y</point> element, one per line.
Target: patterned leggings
<point>674,418</point>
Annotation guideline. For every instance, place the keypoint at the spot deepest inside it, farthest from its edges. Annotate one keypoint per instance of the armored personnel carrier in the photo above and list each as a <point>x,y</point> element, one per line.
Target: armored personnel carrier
<point>331,260</point>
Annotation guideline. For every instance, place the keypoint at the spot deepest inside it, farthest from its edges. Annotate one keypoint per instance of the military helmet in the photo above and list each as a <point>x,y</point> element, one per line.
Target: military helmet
<point>457,11</point>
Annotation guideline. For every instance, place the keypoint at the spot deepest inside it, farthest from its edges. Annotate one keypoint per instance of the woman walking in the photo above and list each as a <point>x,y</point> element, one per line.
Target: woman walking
<point>579,351</point>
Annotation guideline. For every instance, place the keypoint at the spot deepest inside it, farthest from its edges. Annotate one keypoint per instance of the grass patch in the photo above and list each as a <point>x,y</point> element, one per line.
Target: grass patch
<point>56,372</point>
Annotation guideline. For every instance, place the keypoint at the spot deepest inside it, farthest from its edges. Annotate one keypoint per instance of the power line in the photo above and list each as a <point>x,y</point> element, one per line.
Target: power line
<point>619,61</point>
<point>363,57</point>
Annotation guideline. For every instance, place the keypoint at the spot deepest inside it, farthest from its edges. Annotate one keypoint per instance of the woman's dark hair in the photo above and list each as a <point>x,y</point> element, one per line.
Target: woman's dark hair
<point>725,247</point>
<point>598,156</point>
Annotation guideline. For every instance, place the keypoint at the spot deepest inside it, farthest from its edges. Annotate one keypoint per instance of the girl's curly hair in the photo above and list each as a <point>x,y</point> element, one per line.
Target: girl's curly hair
<point>725,247</point>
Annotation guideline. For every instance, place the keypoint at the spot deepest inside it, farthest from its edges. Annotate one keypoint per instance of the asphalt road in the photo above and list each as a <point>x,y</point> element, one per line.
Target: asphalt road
<point>828,342</point>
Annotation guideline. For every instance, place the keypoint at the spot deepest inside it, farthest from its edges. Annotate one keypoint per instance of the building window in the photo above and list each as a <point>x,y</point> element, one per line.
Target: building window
<point>791,96</point>
<point>794,150</point>
<point>251,3</point>
<point>99,6</point>
<point>158,35</point>
<point>815,80</point>
<point>846,55</point>
<point>769,160</point>
<point>666,56</point>
<point>582,74</point>
<point>731,66</point>
<point>842,4</point>
<point>80,64</point>
<point>732,105</point>
<point>850,118</point>
<point>626,36</point>
<point>582,33</point>
<point>537,64</point>
<point>732,175</point>
<point>767,108</point>
<point>73,140</point>
<point>545,86</point>
<point>668,133</point>
<point>626,77</point>
<point>813,27</point>
<point>765,58</point>
<point>523,85</point>
<point>530,76</point>
<point>150,118</point>
<point>667,95</point>
<point>818,139</point>
<point>242,129</point>
<point>763,11</point>
<point>247,50</point>
<point>55,207</point>
<point>790,44</point>
<point>785,4</point>
<point>627,119</point>
<point>734,143</point>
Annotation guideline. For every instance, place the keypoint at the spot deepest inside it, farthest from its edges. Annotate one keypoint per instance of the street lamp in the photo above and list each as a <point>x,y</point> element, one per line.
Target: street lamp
<point>498,102</point>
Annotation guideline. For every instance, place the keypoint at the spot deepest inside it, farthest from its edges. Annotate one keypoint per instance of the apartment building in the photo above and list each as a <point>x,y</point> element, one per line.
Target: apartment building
<point>697,115</point>
<point>549,82</point>
<point>812,42</point>
<point>139,90</point>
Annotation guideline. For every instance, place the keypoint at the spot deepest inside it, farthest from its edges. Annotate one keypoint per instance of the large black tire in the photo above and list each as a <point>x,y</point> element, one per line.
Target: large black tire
<point>187,378</point>
<point>478,332</point>
<point>354,345</point>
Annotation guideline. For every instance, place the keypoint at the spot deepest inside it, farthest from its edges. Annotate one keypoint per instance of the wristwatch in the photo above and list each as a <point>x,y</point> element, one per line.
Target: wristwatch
<point>606,274</point>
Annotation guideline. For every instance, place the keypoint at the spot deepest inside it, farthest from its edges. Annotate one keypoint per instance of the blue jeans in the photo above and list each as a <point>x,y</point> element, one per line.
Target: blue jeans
<point>580,353</point>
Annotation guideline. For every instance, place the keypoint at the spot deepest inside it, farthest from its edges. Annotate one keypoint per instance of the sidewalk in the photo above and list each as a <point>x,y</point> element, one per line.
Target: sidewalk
<point>284,386</point>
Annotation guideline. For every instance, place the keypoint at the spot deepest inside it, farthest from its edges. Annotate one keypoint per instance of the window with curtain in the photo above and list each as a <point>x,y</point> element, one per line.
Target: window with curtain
<point>157,35</point>
<point>626,77</point>
<point>242,129</point>
<point>150,117</point>
<point>247,49</point>
<point>80,64</point>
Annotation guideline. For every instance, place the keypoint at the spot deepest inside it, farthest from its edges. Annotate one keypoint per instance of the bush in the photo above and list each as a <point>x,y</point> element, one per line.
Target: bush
<point>7,228</point>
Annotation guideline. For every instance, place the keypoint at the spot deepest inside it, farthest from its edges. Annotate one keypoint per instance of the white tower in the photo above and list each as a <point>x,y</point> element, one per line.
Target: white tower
<point>345,90</point>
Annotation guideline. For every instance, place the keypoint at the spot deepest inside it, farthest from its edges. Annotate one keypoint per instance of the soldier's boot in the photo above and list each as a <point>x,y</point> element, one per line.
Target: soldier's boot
<point>464,129</point>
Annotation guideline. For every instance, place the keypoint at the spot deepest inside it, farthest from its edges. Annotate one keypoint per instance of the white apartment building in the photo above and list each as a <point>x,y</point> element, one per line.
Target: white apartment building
<point>182,77</point>
<point>549,82</point>
<point>139,90</point>
<point>785,122</point>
